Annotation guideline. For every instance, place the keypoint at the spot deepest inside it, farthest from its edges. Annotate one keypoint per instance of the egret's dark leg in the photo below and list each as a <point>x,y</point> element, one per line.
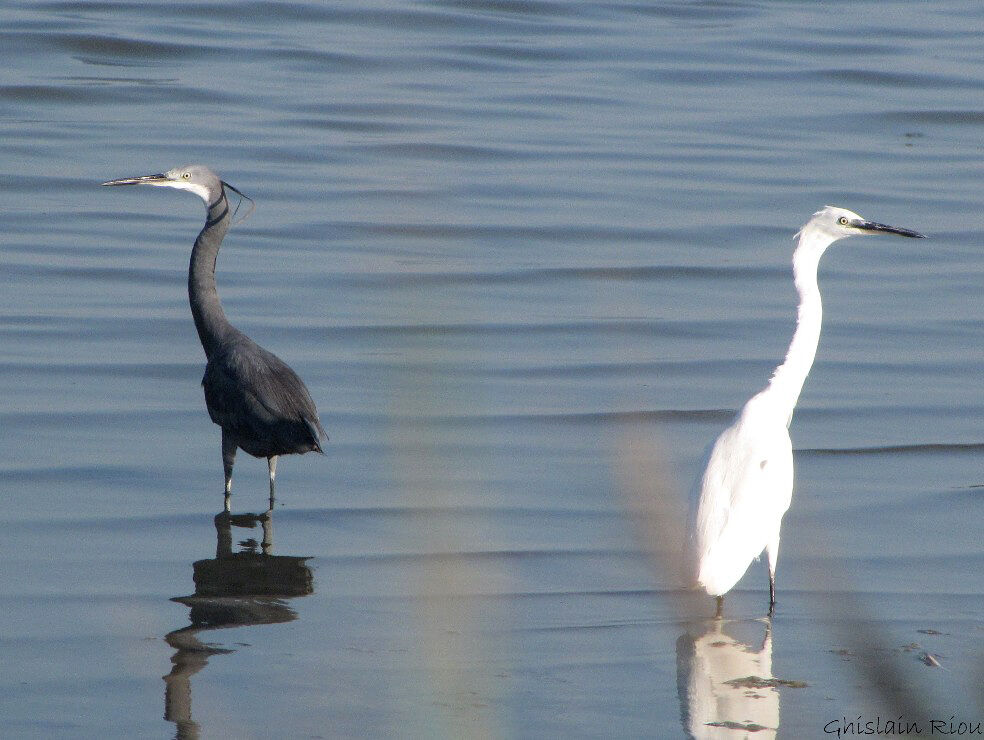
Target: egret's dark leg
<point>228,460</point>
<point>272,463</point>
<point>772,550</point>
<point>720,607</point>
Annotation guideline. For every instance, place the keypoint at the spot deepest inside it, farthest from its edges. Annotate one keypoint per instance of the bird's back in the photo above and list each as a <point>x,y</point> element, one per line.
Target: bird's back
<point>257,399</point>
<point>738,501</point>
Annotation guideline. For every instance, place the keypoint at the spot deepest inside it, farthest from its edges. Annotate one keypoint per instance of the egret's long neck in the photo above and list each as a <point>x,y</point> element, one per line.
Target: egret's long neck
<point>787,380</point>
<point>209,317</point>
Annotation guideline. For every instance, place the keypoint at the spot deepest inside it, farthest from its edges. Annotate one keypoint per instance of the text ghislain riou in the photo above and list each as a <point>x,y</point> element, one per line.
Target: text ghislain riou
<point>845,727</point>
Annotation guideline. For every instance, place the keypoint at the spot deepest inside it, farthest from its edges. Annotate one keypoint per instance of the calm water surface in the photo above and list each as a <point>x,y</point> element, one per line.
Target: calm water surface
<point>529,257</point>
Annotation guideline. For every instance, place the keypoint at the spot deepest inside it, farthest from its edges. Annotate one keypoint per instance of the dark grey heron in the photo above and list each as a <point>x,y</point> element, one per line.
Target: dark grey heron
<point>261,405</point>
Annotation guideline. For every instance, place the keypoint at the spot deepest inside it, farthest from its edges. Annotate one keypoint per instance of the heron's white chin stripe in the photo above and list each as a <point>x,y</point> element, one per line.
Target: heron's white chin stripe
<point>198,190</point>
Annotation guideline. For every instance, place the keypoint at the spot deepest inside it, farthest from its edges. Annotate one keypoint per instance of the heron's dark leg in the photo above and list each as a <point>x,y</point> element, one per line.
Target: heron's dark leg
<point>772,593</point>
<point>267,522</point>
<point>228,460</point>
<point>272,463</point>
<point>720,607</point>
<point>223,535</point>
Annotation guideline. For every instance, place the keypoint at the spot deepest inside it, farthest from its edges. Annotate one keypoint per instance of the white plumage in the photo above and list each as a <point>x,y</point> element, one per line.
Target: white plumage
<point>746,486</point>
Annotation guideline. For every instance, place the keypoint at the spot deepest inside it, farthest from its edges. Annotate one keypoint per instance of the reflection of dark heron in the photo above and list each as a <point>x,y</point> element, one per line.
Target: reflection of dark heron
<point>725,685</point>
<point>234,589</point>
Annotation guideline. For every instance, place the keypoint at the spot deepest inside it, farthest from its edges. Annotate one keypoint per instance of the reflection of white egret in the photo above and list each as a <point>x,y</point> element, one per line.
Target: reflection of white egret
<point>710,706</point>
<point>747,483</point>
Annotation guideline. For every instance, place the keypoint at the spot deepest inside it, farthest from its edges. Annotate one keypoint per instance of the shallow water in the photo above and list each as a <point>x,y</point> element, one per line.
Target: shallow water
<point>529,258</point>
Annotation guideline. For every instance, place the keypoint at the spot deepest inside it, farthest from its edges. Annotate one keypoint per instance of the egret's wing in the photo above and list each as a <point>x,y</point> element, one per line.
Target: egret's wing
<point>741,497</point>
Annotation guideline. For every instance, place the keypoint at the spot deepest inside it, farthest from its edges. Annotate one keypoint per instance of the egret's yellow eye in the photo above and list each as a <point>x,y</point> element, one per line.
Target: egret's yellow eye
<point>842,220</point>
<point>186,175</point>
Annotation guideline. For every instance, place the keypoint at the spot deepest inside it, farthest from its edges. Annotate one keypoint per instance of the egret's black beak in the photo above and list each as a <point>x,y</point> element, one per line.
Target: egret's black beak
<point>142,180</point>
<point>877,227</point>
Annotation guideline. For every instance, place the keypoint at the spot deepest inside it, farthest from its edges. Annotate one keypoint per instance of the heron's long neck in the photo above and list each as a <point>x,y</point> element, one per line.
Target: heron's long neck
<point>209,317</point>
<point>787,380</point>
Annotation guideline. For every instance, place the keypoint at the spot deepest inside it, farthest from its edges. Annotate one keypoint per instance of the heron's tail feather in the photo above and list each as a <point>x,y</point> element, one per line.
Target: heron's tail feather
<point>317,432</point>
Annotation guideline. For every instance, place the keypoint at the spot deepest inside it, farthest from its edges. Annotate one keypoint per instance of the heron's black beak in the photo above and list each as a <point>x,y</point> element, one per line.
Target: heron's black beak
<point>874,226</point>
<point>142,180</point>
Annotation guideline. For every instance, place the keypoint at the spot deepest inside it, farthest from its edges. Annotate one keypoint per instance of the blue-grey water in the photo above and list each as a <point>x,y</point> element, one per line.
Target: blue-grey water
<point>529,257</point>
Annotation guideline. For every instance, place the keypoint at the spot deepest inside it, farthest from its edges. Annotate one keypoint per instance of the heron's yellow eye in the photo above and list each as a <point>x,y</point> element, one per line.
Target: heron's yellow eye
<point>186,175</point>
<point>842,220</point>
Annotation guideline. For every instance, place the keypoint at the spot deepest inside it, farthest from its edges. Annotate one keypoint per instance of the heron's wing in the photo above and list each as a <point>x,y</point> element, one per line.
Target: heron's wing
<point>249,390</point>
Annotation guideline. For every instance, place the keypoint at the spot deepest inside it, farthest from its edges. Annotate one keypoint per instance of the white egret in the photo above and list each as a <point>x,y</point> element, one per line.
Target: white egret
<point>746,486</point>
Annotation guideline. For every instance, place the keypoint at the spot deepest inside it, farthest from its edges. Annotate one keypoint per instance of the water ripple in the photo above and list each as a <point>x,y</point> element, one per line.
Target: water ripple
<point>908,449</point>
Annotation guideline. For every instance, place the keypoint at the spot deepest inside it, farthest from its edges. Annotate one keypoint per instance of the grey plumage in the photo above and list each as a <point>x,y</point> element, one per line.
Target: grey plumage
<point>261,404</point>
<point>259,401</point>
